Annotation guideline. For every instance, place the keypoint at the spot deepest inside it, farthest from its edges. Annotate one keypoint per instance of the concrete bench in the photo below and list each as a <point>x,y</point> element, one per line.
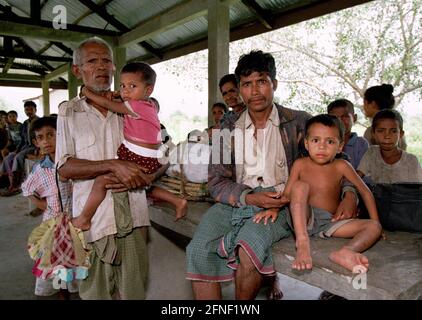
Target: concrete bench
<point>395,264</point>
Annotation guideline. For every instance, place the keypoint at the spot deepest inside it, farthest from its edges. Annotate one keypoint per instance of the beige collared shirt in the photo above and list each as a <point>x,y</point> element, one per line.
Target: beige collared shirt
<point>84,133</point>
<point>264,157</point>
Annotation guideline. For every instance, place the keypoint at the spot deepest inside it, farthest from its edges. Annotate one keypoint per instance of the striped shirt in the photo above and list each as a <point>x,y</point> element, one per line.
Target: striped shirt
<point>41,182</point>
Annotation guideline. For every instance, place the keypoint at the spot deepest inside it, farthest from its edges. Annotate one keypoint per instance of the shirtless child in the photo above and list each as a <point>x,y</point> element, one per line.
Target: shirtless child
<point>313,190</point>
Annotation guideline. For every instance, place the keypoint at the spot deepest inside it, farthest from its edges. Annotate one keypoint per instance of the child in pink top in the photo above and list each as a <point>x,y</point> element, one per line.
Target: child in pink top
<point>142,136</point>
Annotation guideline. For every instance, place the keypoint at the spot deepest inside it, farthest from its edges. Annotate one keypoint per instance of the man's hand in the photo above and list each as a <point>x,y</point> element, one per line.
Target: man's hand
<point>129,175</point>
<point>265,199</point>
<point>347,208</point>
<point>266,214</point>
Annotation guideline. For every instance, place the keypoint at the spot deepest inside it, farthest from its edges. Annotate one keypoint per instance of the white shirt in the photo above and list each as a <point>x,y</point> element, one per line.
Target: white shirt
<point>264,157</point>
<point>407,169</point>
<point>84,133</point>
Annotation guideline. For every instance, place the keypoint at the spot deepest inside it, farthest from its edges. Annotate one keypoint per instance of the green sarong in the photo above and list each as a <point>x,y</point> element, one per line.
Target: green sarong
<point>203,261</point>
<point>119,262</point>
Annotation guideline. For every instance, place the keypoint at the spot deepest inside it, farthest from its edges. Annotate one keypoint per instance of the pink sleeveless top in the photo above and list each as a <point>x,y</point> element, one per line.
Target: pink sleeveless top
<point>145,128</point>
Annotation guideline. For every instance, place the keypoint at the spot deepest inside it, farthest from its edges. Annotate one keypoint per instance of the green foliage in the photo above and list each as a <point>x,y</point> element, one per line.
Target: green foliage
<point>179,124</point>
<point>414,136</point>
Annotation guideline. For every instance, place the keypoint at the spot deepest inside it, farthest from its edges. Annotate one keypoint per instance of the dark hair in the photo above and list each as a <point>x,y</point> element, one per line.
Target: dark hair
<point>148,74</point>
<point>157,104</point>
<point>255,61</point>
<point>341,103</point>
<point>2,112</point>
<point>44,122</point>
<point>30,103</point>
<point>328,121</point>
<point>387,114</point>
<point>231,77</point>
<point>220,105</point>
<point>382,95</point>
<point>13,112</point>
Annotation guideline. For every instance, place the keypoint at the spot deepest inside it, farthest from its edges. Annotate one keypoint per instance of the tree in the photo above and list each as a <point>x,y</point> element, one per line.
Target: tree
<point>344,53</point>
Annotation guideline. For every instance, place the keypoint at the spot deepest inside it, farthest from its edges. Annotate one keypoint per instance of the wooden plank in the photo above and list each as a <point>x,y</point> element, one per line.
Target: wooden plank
<point>46,33</point>
<point>57,72</point>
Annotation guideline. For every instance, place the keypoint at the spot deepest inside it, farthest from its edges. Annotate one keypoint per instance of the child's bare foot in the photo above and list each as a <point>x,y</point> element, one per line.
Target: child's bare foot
<point>274,292</point>
<point>81,223</point>
<point>303,259</point>
<point>181,208</point>
<point>350,260</point>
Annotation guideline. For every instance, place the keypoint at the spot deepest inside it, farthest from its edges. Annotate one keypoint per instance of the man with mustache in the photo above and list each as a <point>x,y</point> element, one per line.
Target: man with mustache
<point>88,136</point>
<point>263,142</point>
<point>230,93</point>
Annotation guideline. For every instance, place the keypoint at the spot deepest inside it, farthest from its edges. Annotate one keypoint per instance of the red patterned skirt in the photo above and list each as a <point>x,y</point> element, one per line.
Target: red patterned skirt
<point>150,165</point>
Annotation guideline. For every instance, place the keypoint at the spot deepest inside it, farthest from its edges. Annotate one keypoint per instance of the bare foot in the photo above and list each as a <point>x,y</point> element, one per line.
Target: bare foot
<point>81,223</point>
<point>350,260</point>
<point>303,259</point>
<point>181,208</point>
<point>274,292</point>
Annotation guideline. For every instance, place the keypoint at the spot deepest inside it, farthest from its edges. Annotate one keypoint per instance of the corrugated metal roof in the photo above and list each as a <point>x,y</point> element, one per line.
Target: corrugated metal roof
<point>132,13</point>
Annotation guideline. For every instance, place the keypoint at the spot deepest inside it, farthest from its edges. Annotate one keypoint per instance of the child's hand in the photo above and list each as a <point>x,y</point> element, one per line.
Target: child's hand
<point>116,95</point>
<point>271,213</point>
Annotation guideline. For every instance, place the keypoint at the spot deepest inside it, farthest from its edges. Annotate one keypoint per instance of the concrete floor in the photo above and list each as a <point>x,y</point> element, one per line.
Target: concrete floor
<point>166,252</point>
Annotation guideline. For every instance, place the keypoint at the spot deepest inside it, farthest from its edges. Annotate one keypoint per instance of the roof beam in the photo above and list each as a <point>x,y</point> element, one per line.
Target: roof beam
<point>35,11</point>
<point>30,84</point>
<point>46,33</point>
<point>38,70</point>
<point>63,47</point>
<point>262,15</point>
<point>177,15</point>
<point>102,12</point>
<point>7,66</point>
<point>28,55</point>
<point>20,77</point>
<point>57,73</point>
<point>8,15</point>
<point>29,50</point>
<point>43,5</point>
<point>249,29</point>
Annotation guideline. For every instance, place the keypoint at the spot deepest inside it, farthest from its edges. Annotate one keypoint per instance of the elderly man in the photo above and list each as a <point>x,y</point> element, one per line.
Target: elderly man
<point>262,143</point>
<point>88,136</point>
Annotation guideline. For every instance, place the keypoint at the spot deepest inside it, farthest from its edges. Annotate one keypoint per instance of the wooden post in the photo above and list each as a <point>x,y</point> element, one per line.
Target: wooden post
<point>45,97</point>
<point>119,55</point>
<point>218,49</point>
<point>72,82</point>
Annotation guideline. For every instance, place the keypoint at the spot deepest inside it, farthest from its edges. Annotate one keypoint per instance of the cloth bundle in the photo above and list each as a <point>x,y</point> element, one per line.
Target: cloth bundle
<point>59,249</point>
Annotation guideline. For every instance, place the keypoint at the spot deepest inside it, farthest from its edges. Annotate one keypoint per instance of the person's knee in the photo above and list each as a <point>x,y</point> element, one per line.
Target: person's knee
<point>245,260</point>
<point>300,191</point>
<point>373,227</point>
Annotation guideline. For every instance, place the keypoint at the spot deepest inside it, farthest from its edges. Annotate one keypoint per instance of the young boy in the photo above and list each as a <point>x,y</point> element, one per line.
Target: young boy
<point>313,190</point>
<point>142,136</point>
<point>386,162</point>
<point>40,187</point>
<point>354,146</point>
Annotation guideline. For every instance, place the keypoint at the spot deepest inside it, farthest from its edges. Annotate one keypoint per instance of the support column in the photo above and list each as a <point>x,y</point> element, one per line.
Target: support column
<point>45,97</point>
<point>72,83</point>
<point>119,55</point>
<point>218,49</point>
